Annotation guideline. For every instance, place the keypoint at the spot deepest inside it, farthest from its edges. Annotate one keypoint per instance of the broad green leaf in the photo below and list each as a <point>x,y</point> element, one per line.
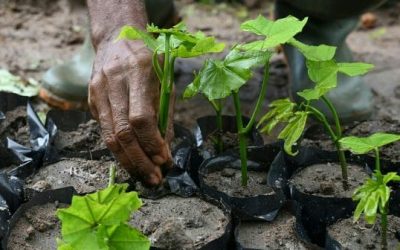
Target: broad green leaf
<point>280,111</point>
<point>276,32</point>
<point>15,84</point>
<point>362,145</point>
<point>314,53</point>
<point>217,79</point>
<point>293,131</point>
<point>123,237</point>
<point>192,89</point>
<point>391,176</point>
<point>354,69</point>
<point>324,75</point>
<point>133,33</point>
<point>109,207</point>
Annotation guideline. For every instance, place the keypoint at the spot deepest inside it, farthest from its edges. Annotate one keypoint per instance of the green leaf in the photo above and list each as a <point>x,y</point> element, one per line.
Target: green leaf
<point>276,32</point>
<point>280,111</point>
<point>314,53</point>
<point>293,131</point>
<point>391,176</point>
<point>123,237</point>
<point>217,79</point>
<point>324,75</point>
<point>201,47</point>
<point>362,145</point>
<point>355,69</point>
<point>132,33</point>
<point>106,208</point>
<point>193,88</point>
<point>15,84</point>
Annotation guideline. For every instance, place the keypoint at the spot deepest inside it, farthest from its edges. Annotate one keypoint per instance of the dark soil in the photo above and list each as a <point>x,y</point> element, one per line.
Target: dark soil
<point>276,235</point>
<point>360,236</point>
<point>84,142</point>
<point>325,180</point>
<point>15,126</point>
<point>84,175</point>
<point>173,222</point>
<point>37,229</point>
<point>229,141</point>
<point>228,181</point>
<point>362,129</point>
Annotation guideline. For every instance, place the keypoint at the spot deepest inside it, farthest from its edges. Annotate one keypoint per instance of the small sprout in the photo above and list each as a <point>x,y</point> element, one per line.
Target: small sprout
<point>99,221</point>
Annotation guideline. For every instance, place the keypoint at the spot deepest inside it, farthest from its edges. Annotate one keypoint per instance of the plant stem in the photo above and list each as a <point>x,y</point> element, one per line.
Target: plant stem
<point>377,160</point>
<point>260,100</point>
<point>384,225</point>
<point>242,138</point>
<point>111,178</point>
<point>335,116</point>
<point>165,89</point>
<point>342,159</point>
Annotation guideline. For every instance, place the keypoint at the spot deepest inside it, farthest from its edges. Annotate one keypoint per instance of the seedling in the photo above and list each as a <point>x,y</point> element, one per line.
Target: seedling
<point>99,220</point>
<point>323,71</point>
<point>172,43</point>
<point>373,196</point>
<point>219,79</point>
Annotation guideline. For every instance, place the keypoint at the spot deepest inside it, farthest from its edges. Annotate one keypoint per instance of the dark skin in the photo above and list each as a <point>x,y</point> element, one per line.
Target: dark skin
<point>124,91</point>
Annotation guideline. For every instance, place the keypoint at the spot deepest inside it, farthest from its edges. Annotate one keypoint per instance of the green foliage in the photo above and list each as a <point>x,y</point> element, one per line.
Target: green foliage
<point>363,145</point>
<point>98,221</point>
<point>275,32</point>
<point>15,84</point>
<point>280,111</point>
<point>314,53</point>
<point>324,75</point>
<point>183,43</point>
<point>293,131</point>
<point>373,196</point>
<point>218,78</point>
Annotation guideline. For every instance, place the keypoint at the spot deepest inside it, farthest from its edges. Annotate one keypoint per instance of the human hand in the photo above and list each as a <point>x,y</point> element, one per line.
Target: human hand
<point>124,99</point>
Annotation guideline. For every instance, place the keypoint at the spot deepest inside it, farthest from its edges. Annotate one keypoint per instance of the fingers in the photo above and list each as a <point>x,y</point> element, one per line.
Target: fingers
<point>143,103</point>
<point>141,166</point>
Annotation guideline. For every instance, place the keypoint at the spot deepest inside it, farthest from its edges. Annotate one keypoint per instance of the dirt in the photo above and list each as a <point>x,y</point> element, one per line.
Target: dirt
<point>209,146</point>
<point>363,129</point>
<point>173,222</point>
<point>276,235</point>
<point>84,142</point>
<point>37,229</point>
<point>84,175</point>
<point>325,180</point>
<point>15,126</point>
<point>360,236</point>
<point>228,181</point>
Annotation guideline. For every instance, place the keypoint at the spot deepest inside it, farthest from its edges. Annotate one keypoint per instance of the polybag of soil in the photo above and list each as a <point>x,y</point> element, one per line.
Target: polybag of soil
<point>11,196</point>
<point>41,150</point>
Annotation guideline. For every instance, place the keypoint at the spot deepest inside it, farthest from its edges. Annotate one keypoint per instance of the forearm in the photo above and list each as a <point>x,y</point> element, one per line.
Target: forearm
<point>107,17</point>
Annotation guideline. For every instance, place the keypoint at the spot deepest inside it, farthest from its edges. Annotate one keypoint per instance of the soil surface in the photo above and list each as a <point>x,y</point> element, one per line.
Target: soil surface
<point>37,229</point>
<point>363,129</point>
<point>84,175</point>
<point>173,222</point>
<point>360,236</point>
<point>325,180</point>
<point>228,181</point>
<point>276,235</point>
<point>15,126</point>
<point>84,142</point>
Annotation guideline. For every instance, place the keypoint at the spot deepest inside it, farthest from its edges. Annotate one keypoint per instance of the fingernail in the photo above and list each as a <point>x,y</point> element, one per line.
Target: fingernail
<point>158,160</point>
<point>154,180</point>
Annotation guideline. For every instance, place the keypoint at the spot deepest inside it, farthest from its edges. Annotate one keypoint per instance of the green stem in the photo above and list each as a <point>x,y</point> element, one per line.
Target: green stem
<point>260,100</point>
<point>335,116</point>
<point>384,226</point>
<point>377,160</point>
<point>242,138</point>
<point>156,66</point>
<point>165,92</point>
<point>111,179</point>
<point>342,158</point>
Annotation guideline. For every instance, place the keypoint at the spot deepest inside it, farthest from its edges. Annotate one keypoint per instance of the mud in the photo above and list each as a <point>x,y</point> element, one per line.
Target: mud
<point>228,181</point>
<point>180,223</point>
<point>326,180</point>
<point>37,229</point>
<point>84,175</point>
<point>15,126</point>
<point>276,235</point>
<point>360,236</point>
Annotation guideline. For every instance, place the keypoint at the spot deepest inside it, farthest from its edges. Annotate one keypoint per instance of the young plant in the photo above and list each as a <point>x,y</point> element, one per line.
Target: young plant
<point>99,220</point>
<point>373,196</point>
<point>322,70</point>
<point>219,79</point>
<point>172,43</point>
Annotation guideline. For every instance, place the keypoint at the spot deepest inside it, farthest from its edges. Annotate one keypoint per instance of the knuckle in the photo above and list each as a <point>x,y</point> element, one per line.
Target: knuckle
<point>111,142</point>
<point>141,121</point>
<point>112,68</point>
<point>124,133</point>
